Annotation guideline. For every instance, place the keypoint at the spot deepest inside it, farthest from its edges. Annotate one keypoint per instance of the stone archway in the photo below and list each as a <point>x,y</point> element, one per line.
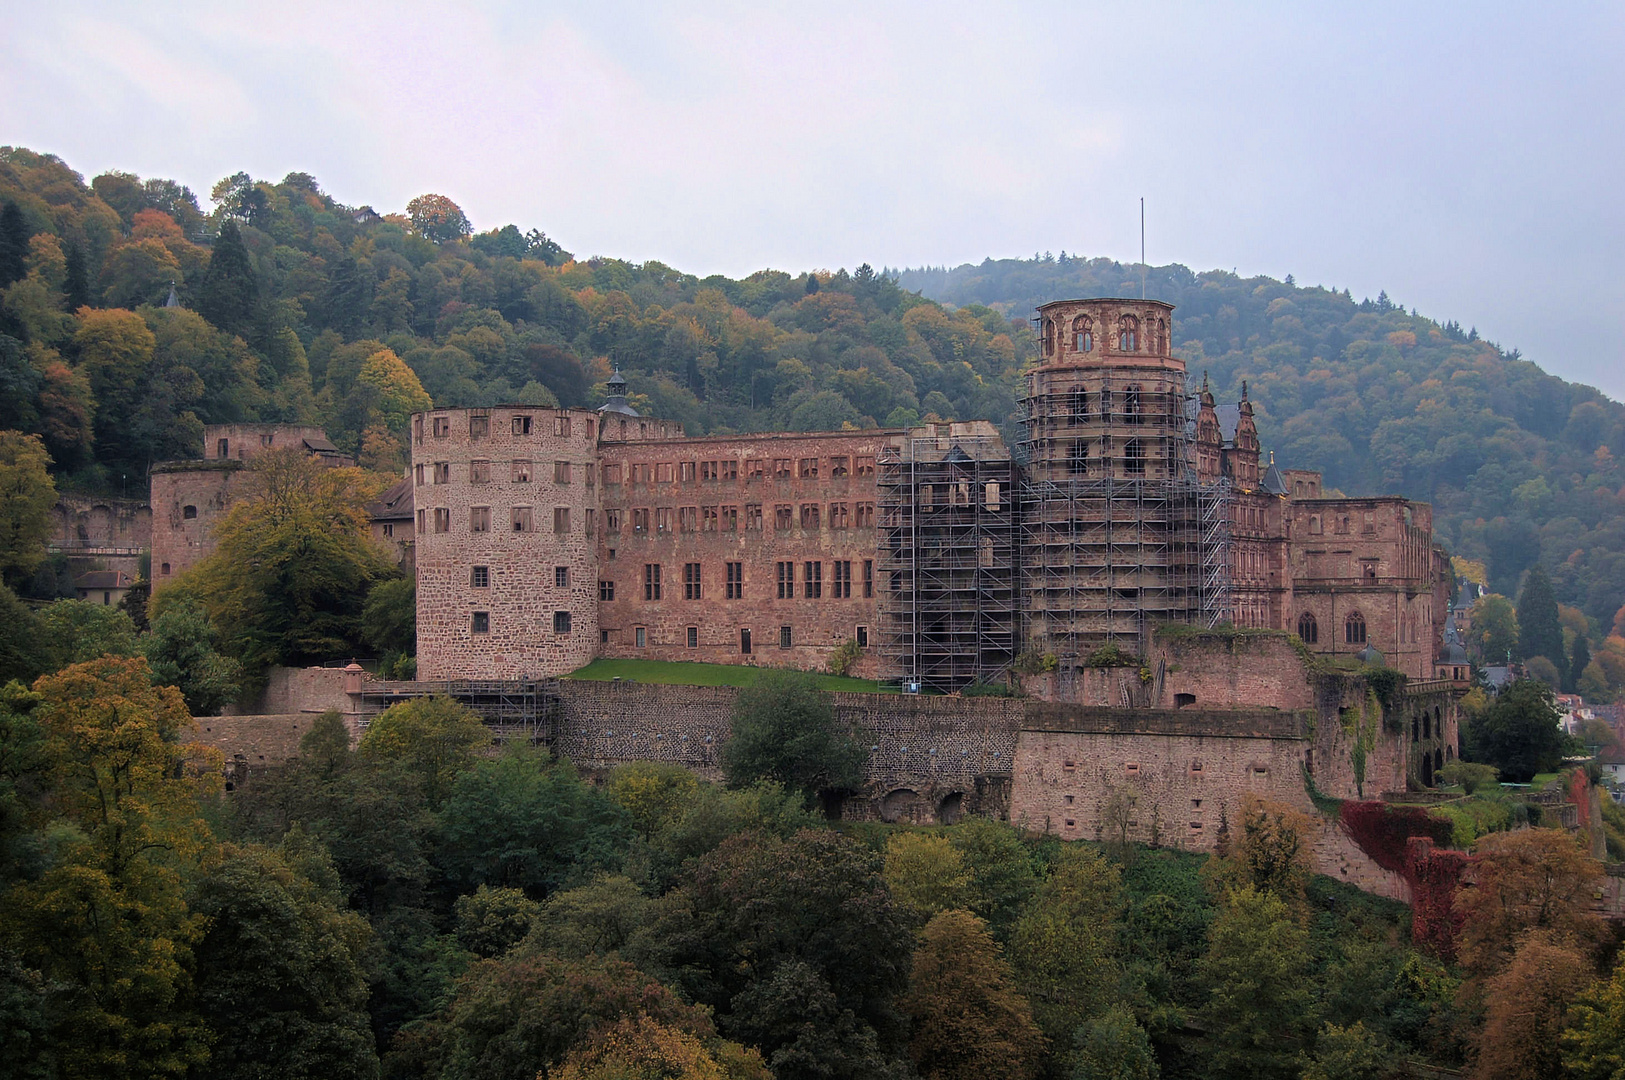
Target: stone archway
<point>905,805</point>
<point>951,808</point>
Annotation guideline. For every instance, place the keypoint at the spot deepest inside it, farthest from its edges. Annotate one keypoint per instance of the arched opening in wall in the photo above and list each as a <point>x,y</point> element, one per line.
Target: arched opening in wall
<point>1308,629</point>
<point>1049,337</point>
<point>1438,759</point>
<point>951,809</point>
<point>1083,334</point>
<point>1416,727</point>
<point>1450,753</point>
<point>188,512</point>
<point>1354,629</point>
<point>1132,412</point>
<point>1080,405</point>
<point>1427,770</point>
<point>903,804</point>
<point>1438,720</point>
<point>1427,724</point>
<point>1182,700</point>
<point>1128,334</point>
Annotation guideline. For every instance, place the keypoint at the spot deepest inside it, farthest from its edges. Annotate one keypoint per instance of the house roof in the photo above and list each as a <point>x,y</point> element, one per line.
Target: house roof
<point>103,579</point>
<point>395,504</point>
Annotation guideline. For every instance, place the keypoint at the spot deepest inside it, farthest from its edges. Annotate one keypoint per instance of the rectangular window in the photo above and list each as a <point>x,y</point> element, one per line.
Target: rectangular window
<point>421,528</point>
<point>755,469</point>
<point>863,637</point>
<point>641,472</point>
<point>640,521</point>
<point>561,577</point>
<point>693,637</point>
<point>664,519</point>
<point>730,470</point>
<point>730,519</point>
<point>561,426</point>
<point>688,471</point>
<point>710,517</point>
<point>442,426</point>
<point>841,586</point>
<point>839,518</point>
<point>561,622</point>
<point>640,637</point>
<point>863,466</point>
<point>561,472</point>
<point>651,581</point>
<point>612,473</point>
<point>417,430</point>
<point>744,642</point>
<point>479,519</point>
<point>812,581</point>
<point>561,519</point>
<point>442,472</point>
<point>522,520</point>
<point>479,427</point>
<point>863,515</point>
<point>807,469</point>
<point>592,473</point>
<point>784,637</point>
<point>480,577</point>
<point>479,472</point>
<point>664,472</point>
<point>709,470</point>
<point>781,468</point>
<point>592,519</point>
<point>691,581</point>
<point>688,518</point>
<point>753,516</point>
<point>784,516</point>
<point>521,472</point>
<point>787,580</point>
<point>810,515</point>
<point>612,521</point>
<point>606,590</point>
<point>521,425</point>
<point>837,467</point>
<point>868,578</point>
<point>736,581</point>
<point>481,623</point>
<point>422,474</point>
<point>442,519</point>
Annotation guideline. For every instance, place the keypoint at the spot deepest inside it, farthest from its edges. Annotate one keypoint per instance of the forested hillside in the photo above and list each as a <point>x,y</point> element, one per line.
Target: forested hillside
<point>294,307</point>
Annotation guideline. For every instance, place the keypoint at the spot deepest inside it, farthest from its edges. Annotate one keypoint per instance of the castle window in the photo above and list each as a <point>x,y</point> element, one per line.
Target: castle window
<point>442,519</point>
<point>709,518</point>
<point>1049,337</point>
<point>1134,458</point>
<point>1368,569</point>
<point>688,518</point>
<point>561,622</point>
<point>651,581</point>
<point>1078,405</point>
<point>1131,406</point>
<point>665,472</point>
<point>693,637</point>
<point>479,427</point>
<point>781,468</point>
<point>990,494</point>
<point>222,448</point>
<point>481,622</point>
<point>606,590</point>
<point>839,517</point>
<point>863,637</point>
<point>188,512</point>
<point>591,515</point>
<point>863,515</point>
<point>479,577</point>
<point>612,473</point>
<point>422,474</point>
<point>1314,525</point>
<point>786,573</point>
<point>1083,335</point>
<point>688,471</point>
<point>1128,334</point>
<point>744,641</point>
<point>784,637</point>
<point>1354,629</point>
<point>755,469</point>
<point>521,472</point>
<point>561,472</point>
<point>1182,700</point>
<point>164,569</point>
<point>663,520</point>
<point>1308,629</point>
<point>708,470</point>
<point>868,578</point>
<point>422,528</point>
<point>479,472</point>
<point>442,426</point>
<point>837,467</point>
<point>561,577</point>
<point>864,466</point>
<point>561,426</point>
<point>808,468</point>
<point>1106,405</point>
<point>736,580</point>
<point>640,637</point>
<point>691,581</point>
<point>753,517</point>
<point>523,522</point>
<point>784,516</point>
<point>479,519</point>
<point>640,521</point>
<point>442,472</point>
<point>612,521</point>
<point>730,519</point>
<point>730,471</point>
<point>1427,725</point>
<point>521,425</point>
<point>812,581</point>
<point>841,587</point>
<point>561,519</point>
<point>1077,460</point>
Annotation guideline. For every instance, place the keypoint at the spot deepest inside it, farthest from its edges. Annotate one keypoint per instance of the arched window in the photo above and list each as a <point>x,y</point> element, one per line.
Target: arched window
<point>1134,458</point>
<point>1354,629</point>
<point>1162,336</point>
<point>1078,459</point>
<point>1083,334</point>
<point>1131,406</point>
<point>188,512</point>
<point>1080,405</point>
<point>1308,629</point>
<point>1427,724</point>
<point>1128,334</point>
<point>1049,337</point>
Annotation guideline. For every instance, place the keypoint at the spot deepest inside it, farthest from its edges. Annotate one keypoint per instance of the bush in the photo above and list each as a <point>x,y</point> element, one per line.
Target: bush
<point>845,656</point>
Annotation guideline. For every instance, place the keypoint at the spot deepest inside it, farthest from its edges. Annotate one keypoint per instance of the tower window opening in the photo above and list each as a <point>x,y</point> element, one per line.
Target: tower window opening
<point>1049,337</point>
<point>1354,629</point>
<point>1131,406</point>
<point>1308,629</point>
<point>1083,335</point>
<point>1134,458</point>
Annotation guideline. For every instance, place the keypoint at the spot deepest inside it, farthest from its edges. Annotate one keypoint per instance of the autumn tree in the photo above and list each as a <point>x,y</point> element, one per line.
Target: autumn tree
<point>27,494</point>
<point>433,738</point>
<point>1525,1006</point>
<point>784,730</point>
<point>926,873</point>
<point>438,218</point>
<point>654,793</point>
<point>1269,853</point>
<point>1003,877</point>
<point>1529,880</point>
<point>968,1018</point>
<point>1594,1039</point>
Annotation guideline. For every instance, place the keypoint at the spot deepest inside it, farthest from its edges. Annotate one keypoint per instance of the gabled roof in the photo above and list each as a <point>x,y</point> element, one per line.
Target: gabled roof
<point>103,579</point>
<point>395,504</point>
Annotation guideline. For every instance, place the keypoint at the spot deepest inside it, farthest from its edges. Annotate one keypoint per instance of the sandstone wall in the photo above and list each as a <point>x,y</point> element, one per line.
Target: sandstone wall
<point>188,499</point>
<point>301,690</point>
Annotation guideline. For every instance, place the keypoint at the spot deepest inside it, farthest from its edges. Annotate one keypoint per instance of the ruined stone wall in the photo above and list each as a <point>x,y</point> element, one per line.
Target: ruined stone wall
<point>101,533</point>
<point>754,504</point>
<point>507,564</point>
<point>241,442</point>
<point>188,499</point>
<point>301,690</point>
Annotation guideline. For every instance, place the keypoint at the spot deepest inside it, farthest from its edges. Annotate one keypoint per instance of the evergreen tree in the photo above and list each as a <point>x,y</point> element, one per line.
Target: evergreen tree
<point>230,292</point>
<point>76,284</point>
<point>1539,631</point>
<point>13,244</point>
<point>1582,660</point>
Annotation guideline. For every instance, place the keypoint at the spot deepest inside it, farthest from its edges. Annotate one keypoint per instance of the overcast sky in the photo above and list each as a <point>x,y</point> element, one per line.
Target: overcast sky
<point>1466,158</point>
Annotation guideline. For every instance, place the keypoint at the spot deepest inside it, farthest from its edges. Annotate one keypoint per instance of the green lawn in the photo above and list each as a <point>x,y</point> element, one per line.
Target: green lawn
<point>683,673</point>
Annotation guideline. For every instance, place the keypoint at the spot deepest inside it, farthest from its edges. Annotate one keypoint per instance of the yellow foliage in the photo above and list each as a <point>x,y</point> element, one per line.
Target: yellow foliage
<point>638,1048</point>
<point>926,873</point>
<point>1472,570</point>
<point>654,793</point>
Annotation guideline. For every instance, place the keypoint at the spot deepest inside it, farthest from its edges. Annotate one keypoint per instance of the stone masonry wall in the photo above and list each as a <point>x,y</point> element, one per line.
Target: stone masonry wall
<point>188,499</point>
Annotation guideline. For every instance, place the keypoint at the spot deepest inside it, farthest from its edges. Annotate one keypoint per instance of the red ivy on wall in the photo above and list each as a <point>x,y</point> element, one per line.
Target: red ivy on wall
<point>1411,842</point>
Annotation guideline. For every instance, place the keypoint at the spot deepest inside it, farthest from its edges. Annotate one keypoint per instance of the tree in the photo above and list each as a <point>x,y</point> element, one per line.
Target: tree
<point>76,279</point>
<point>1532,879</point>
<point>1002,876</point>
<point>13,243</point>
<point>637,1046</point>
<point>714,814</point>
<point>230,292</point>
<point>598,918</point>
<point>388,391</point>
<point>1540,633</point>
<point>968,1019</point>
<point>78,630</point>
<point>1518,733</point>
<point>1494,630</point>
<point>784,730</point>
<point>654,793</point>
<point>437,218</point>
<point>115,353</point>
<point>181,648</point>
<point>433,738</point>
<point>1270,852</point>
<point>926,874</point>
<point>1257,973</point>
<point>492,921</point>
<point>1577,666</point>
<point>1594,1038</point>
<point>24,652</point>
<point>1525,1007</point>
<point>1112,1046</point>
<point>280,968</point>
<point>389,619</point>
<point>27,494</point>
<point>1469,775</point>
<point>293,563</point>
<point>1347,1053</point>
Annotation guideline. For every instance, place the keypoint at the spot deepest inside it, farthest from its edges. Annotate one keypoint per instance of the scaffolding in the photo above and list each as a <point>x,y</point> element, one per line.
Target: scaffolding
<point>1118,533</point>
<point>949,604</point>
<point>523,709</point>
